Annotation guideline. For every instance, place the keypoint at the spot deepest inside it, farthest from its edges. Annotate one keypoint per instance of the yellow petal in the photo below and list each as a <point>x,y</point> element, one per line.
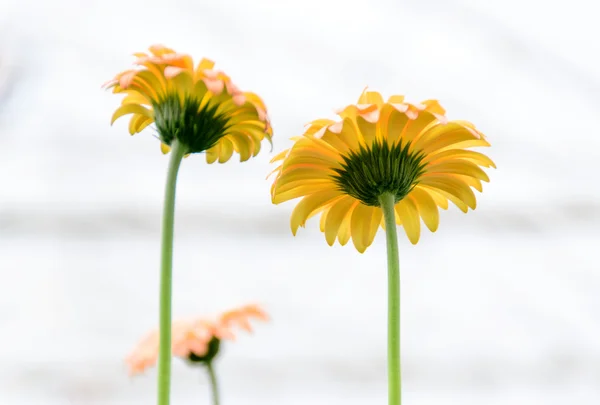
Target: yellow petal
<point>282,185</point>
<point>451,185</point>
<point>315,153</point>
<point>147,83</point>
<point>134,97</point>
<point>427,208</point>
<point>133,123</point>
<point>309,159</point>
<point>395,127</point>
<point>350,133</point>
<point>226,150</point>
<point>305,172</point>
<point>414,128</point>
<point>160,50</point>
<point>442,135</point>
<point>367,129</point>
<point>280,156</point>
<point>434,107</point>
<point>299,189</point>
<point>130,109</point>
<point>141,124</point>
<point>458,167</point>
<point>409,215</point>
<point>336,141</point>
<point>256,147</point>
<point>469,155</point>
<point>466,144</point>
<point>455,200</point>
<point>201,92</point>
<point>322,220</point>
<point>182,83</point>
<point>309,204</point>
<point>382,122</point>
<point>204,64</point>
<point>471,127</point>
<point>470,181</point>
<point>396,99</point>
<point>241,144</point>
<point>361,218</point>
<point>323,146</point>
<point>335,216</point>
<point>344,232</point>
<point>370,97</point>
<point>160,82</point>
<point>440,200</point>
<point>322,122</point>
<point>371,226</point>
<point>212,154</point>
<point>316,125</point>
<point>324,209</point>
<point>164,148</point>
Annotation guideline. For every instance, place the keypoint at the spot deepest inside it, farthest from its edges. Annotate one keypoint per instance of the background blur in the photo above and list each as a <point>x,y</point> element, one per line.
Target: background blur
<point>500,306</point>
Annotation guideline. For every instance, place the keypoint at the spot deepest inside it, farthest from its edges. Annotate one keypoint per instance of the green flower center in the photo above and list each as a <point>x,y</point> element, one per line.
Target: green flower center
<point>197,128</point>
<point>380,168</point>
<point>211,353</point>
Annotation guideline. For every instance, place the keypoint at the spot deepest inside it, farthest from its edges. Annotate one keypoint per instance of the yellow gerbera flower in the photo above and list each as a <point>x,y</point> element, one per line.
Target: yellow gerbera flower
<point>342,169</point>
<point>200,107</point>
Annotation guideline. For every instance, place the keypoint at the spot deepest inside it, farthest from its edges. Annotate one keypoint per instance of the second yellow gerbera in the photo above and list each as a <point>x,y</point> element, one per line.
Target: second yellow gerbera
<point>342,169</point>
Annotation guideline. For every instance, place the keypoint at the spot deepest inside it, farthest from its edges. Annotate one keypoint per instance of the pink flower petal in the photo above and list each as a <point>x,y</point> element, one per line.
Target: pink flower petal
<point>239,99</point>
<point>319,134</point>
<point>126,79</point>
<point>232,88</point>
<point>214,86</point>
<point>371,116</point>
<point>210,74</point>
<point>400,107</point>
<point>336,128</point>
<point>262,114</point>
<point>412,114</point>
<point>441,118</point>
<point>172,71</point>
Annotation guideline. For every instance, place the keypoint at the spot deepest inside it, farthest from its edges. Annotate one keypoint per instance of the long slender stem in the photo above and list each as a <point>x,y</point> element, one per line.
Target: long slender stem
<point>213,383</point>
<point>394,376</point>
<point>166,275</point>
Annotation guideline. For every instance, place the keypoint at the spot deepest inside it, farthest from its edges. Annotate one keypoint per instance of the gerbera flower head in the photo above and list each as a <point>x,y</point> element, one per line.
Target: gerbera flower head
<point>197,105</point>
<point>342,168</point>
<point>195,340</point>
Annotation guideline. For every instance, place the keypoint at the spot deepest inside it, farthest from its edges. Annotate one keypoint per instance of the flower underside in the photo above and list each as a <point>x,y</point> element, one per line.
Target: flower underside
<point>371,171</point>
<point>199,128</point>
<point>196,105</point>
<point>341,168</point>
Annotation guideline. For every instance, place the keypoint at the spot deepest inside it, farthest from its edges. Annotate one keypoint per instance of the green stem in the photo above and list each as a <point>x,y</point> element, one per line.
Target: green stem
<point>166,275</point>
<point>387,202</point>
<point>213,383</point>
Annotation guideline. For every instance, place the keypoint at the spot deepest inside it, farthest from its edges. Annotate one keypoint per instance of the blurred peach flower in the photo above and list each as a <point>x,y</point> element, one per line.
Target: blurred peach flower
<point>196,340</point>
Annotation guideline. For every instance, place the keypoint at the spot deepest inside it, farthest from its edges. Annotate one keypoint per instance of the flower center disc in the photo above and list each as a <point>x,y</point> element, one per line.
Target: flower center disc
<point>197,128</point>
<point>379,168</point>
